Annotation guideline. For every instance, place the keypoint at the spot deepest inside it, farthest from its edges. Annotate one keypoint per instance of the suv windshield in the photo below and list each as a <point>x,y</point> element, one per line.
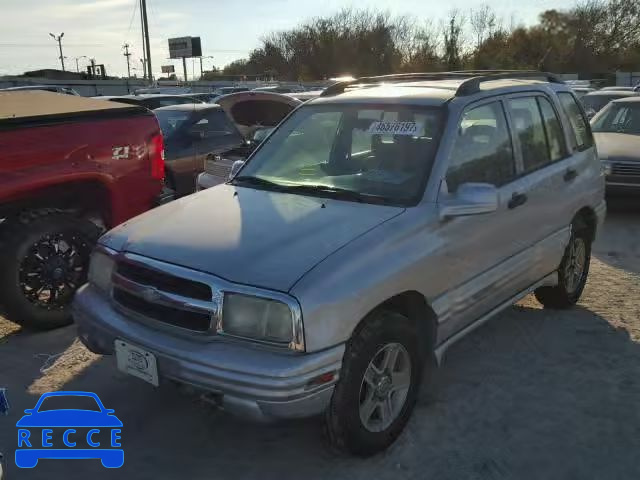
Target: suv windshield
<point>377,153</point>
<point>620,118</point>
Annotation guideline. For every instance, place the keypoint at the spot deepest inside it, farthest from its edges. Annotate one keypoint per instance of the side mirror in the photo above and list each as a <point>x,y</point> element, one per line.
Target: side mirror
<point>235,168</point>
<point>470,199</point>
<point>29,411</point>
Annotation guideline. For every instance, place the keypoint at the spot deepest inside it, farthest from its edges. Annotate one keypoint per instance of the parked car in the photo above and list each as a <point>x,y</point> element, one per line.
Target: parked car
<point>280,89</point>
<point>70,168</point>
<point>255,114</point>
<point>595,101</point>
<point>617,132</point>
<point>152,100</point>
<point>194,134</point>
<point>308,95</point>
<point>373,228</point>
<point>582,91</point>
<point>203,97</point>
<point>617,89</point>
<point>47,88</point>
<point>230,90</point>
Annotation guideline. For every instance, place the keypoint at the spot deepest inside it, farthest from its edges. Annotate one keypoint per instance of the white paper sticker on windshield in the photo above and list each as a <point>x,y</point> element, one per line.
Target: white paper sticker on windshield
<point>413,129</point>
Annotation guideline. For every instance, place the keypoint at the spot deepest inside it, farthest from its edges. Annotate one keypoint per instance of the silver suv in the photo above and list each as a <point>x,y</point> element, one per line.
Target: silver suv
<point>374,227</point>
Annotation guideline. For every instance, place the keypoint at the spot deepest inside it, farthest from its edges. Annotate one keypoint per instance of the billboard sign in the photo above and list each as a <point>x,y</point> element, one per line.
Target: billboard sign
<point>168,69</point>
<point>185,47</point>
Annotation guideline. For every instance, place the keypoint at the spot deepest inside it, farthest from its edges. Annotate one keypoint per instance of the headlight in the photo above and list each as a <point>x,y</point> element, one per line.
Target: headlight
<point>100,270</point>
<point>257,318</point>
<point>606,167</point>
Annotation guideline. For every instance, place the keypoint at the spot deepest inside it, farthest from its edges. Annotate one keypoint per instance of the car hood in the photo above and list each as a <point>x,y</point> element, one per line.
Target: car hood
<point>254,237</point>
<point>253,110</point>
<point>69,418</point>
<point>618,146</point>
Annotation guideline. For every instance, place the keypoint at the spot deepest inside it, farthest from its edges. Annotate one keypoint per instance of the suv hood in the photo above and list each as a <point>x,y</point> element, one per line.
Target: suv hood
<point>253,110</point>
<point>254,237</point>
<point>618,146</point>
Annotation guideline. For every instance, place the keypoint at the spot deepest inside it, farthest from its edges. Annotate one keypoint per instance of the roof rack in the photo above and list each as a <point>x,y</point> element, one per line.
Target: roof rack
<point>470,85</point>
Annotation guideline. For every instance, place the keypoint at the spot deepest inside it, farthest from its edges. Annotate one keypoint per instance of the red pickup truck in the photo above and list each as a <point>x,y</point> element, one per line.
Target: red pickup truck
<point>70,168</point>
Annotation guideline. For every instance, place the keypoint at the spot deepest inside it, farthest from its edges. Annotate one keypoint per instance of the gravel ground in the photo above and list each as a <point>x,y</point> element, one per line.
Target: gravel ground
<point>534,394</point>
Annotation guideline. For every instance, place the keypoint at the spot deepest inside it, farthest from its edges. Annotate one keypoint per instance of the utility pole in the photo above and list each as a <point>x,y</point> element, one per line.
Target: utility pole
<point>59,40</point>
<point>77,64</point>
<point>143,4</point>
<point>127,55</point>
<point>144,48</point>
<point>184,67</point>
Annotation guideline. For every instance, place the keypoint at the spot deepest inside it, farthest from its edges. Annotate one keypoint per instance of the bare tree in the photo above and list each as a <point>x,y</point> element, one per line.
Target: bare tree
<point>484,22</point>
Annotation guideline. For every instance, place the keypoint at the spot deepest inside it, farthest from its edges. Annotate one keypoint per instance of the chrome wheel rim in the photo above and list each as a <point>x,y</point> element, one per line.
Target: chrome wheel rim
<point>384,387</point>
<point>576,262</point>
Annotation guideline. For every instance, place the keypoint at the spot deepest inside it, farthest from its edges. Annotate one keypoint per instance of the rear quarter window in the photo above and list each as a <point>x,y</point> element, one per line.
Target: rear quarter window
<point>581,136</point>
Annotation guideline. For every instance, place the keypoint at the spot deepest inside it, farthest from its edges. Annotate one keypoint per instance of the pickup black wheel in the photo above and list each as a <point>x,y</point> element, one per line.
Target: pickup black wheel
<point>43,261</point>
<point>378,386</point>
<point>572,273</point>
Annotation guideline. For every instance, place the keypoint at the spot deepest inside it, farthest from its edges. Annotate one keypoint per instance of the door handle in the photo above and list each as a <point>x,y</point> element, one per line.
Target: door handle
<point>570,175</point>
<point>516,200</point>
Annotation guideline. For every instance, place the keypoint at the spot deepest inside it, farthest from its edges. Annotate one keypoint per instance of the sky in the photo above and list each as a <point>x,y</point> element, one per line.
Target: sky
<point>229,29</point>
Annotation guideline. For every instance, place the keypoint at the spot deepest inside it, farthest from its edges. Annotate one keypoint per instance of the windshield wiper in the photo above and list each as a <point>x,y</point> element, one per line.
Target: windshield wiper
<point>336,192</point>
<point>257,182</point>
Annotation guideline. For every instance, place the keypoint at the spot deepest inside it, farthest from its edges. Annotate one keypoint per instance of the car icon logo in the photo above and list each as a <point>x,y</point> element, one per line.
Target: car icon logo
<point>79,433</point>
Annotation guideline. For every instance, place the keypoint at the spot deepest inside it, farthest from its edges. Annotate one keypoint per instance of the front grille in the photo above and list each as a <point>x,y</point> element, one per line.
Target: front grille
<point>626,169</point>
<point>218,168</point>
<point>165,282</point>
<point>199,322</point>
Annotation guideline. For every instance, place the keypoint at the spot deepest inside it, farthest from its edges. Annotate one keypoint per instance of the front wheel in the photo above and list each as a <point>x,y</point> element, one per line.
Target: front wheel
<point>378,387</point>
<point>44,260</point>
<point>572,273</point>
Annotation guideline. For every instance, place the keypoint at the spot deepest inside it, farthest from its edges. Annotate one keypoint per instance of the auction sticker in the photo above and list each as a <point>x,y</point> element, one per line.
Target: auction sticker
<point>396,128</point>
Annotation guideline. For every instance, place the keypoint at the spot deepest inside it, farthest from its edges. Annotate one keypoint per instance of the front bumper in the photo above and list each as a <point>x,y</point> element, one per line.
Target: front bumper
<point>249,381</point>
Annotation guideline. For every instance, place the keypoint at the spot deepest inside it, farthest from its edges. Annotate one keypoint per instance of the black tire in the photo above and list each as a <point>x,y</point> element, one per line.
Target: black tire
<point>20,239</point>
<point>344,427</point>
<point>563,296</point>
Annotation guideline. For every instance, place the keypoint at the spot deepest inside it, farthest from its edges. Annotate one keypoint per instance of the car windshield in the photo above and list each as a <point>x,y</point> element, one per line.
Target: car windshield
<point>619,118</point>
<point>598,102</point>
<point>377,153</point>
<point>171,120</point>
<point>69,402</point>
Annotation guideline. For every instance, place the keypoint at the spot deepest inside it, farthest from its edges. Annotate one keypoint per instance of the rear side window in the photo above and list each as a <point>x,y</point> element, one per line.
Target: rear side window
<point>528,125</point>
<point>214,124</point>
<point>579,125</point>
<point>555,138</point>
<point>482,150</point>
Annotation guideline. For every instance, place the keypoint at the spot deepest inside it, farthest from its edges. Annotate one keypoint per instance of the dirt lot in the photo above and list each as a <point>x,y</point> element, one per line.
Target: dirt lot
<point>532,395</point>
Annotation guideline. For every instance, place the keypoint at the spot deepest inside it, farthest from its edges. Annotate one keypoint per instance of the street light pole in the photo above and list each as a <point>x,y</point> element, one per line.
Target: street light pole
<point>77,64</point>
<point>59,40</point>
